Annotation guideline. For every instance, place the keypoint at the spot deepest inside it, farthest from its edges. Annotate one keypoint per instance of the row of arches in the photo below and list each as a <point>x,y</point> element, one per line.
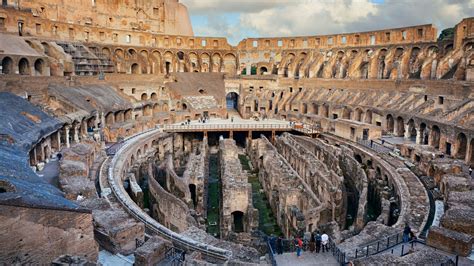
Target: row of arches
<point>402,62</point>
<point>165,62</point>
<point>23,66</point>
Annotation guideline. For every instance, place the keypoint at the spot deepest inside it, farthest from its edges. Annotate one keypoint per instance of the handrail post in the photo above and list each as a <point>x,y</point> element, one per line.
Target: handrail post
<point>367,251</point>
<point>403,246</point>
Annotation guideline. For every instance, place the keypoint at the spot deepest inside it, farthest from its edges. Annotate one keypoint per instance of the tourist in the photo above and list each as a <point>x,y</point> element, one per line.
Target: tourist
<point>325,242</point>
<point>299,246</point>
<point>312,242</point>
<point>317,238</point>
<point>279,245</point>
<point>232,119</point>
<point>273,243</point>
<point>406,233</point>
<point>59,156</point>
<point>412,235</point>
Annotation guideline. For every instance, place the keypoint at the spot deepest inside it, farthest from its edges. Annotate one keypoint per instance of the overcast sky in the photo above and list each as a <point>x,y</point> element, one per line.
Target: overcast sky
<point>239,19</point>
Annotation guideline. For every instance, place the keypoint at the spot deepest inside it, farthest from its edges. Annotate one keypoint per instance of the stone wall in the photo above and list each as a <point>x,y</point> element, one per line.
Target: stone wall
<point>237,212</point>
<point>38,236</point>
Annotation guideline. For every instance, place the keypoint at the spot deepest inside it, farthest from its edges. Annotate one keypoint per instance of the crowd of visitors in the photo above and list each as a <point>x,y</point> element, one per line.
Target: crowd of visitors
<point>312,242</point>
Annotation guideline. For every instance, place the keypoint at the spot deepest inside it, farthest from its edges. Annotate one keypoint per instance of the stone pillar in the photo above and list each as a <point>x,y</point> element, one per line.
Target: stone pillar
<point>59,139</point>
<point>66,133</point>
<point>419,137</point>
<point>407,132</point>
<point>102,119</point>
<point>468,157</point>
<point>76,133</point>
<point>248,70</point>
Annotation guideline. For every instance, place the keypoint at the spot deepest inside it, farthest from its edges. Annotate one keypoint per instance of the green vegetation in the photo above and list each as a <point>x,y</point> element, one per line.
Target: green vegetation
<point>266,220</point>
<point>213,194</point>
<point>446,34</point>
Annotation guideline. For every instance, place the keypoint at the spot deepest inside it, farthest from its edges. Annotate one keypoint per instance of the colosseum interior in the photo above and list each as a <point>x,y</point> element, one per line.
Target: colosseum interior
<point>126,139</point>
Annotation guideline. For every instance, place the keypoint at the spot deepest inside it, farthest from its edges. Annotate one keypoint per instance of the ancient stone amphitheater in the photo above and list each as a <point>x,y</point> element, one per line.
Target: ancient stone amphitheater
<point>126,139</point>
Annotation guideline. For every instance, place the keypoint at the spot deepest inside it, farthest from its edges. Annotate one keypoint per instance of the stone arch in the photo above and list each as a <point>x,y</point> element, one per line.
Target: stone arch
<point>156,62</point>
<point>39,67</point>
<point>135,68</point>
<point>144,97</point>
<point>194,62</point>
<point>315,108</point>
<point>168,62</point>
<point>119,54</point>
<point>147,110</point>
<point>262,70</point>
<point>414,64</point>
<point>205,62</point>
<point>106,52</point>
<point>390,123</point>
<point>132,53</point>
<point>381,63</point>
<point>400,127</point>
<point>346,113</point>
<point>216,62</point>
<point>154,96</point>
<point>435,136</point>
<point>368,117</point>
<point>156,108</point>
<point>358,114</point>
<point>364,70</point>
<point>7,65</point>
<point>461,144</point>
<point>24,67</point>
<point>230,64</point>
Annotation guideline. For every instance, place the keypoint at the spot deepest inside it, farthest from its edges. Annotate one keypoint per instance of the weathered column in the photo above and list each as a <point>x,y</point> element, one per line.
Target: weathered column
<point>248,70</point>
<point>96,128</point>
<point>419,137</point>
<point>59,139</point>
<point>407,132</point>
<point>66,133</point>
<point>468,157</point>
<point>102,119</point>
<point>76,133</point>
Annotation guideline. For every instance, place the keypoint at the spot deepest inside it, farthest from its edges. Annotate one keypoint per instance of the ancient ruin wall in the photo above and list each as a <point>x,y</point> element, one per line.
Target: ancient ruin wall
<point>236,191</point>
<point>38,236</point>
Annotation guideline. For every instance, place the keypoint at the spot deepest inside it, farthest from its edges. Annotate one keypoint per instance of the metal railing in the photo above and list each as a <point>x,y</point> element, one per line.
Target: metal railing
<point>174,256</point>
<point>378,246</point>
<point>373,145</point>
<point>230,126</point>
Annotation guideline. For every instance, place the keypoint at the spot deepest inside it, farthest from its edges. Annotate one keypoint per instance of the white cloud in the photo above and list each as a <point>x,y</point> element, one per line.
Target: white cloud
<point>311,17</point>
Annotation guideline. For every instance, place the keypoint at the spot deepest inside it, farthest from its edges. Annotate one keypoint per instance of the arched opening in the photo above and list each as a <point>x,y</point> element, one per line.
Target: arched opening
<point>400,127</point>
<point>325,111</point>
<point>435,136</point>
<point>154,96</point>
<point>39,65</point>
<point>358,115</point>
<point>167,67</point>
<point>368,117</point>
<point>238,222</point>
<point>305,108</point>
<point>135,69</point>
<point>358,158</point>
<point>232,100</point>
<point>263,70</point>
<point>192,190</point>
<point>390,124</point>
<point>381,64</point>
<point>144,97</point>
<point>461,143</point>
<point>184,106</point>
<point>7,66</point>
<point>364,70</point>
<point>24,67</point>
<point>346,113</point>
<point>315,108</point>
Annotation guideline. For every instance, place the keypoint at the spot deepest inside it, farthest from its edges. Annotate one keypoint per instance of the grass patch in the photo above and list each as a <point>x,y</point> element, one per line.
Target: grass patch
<point>213,194</point>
